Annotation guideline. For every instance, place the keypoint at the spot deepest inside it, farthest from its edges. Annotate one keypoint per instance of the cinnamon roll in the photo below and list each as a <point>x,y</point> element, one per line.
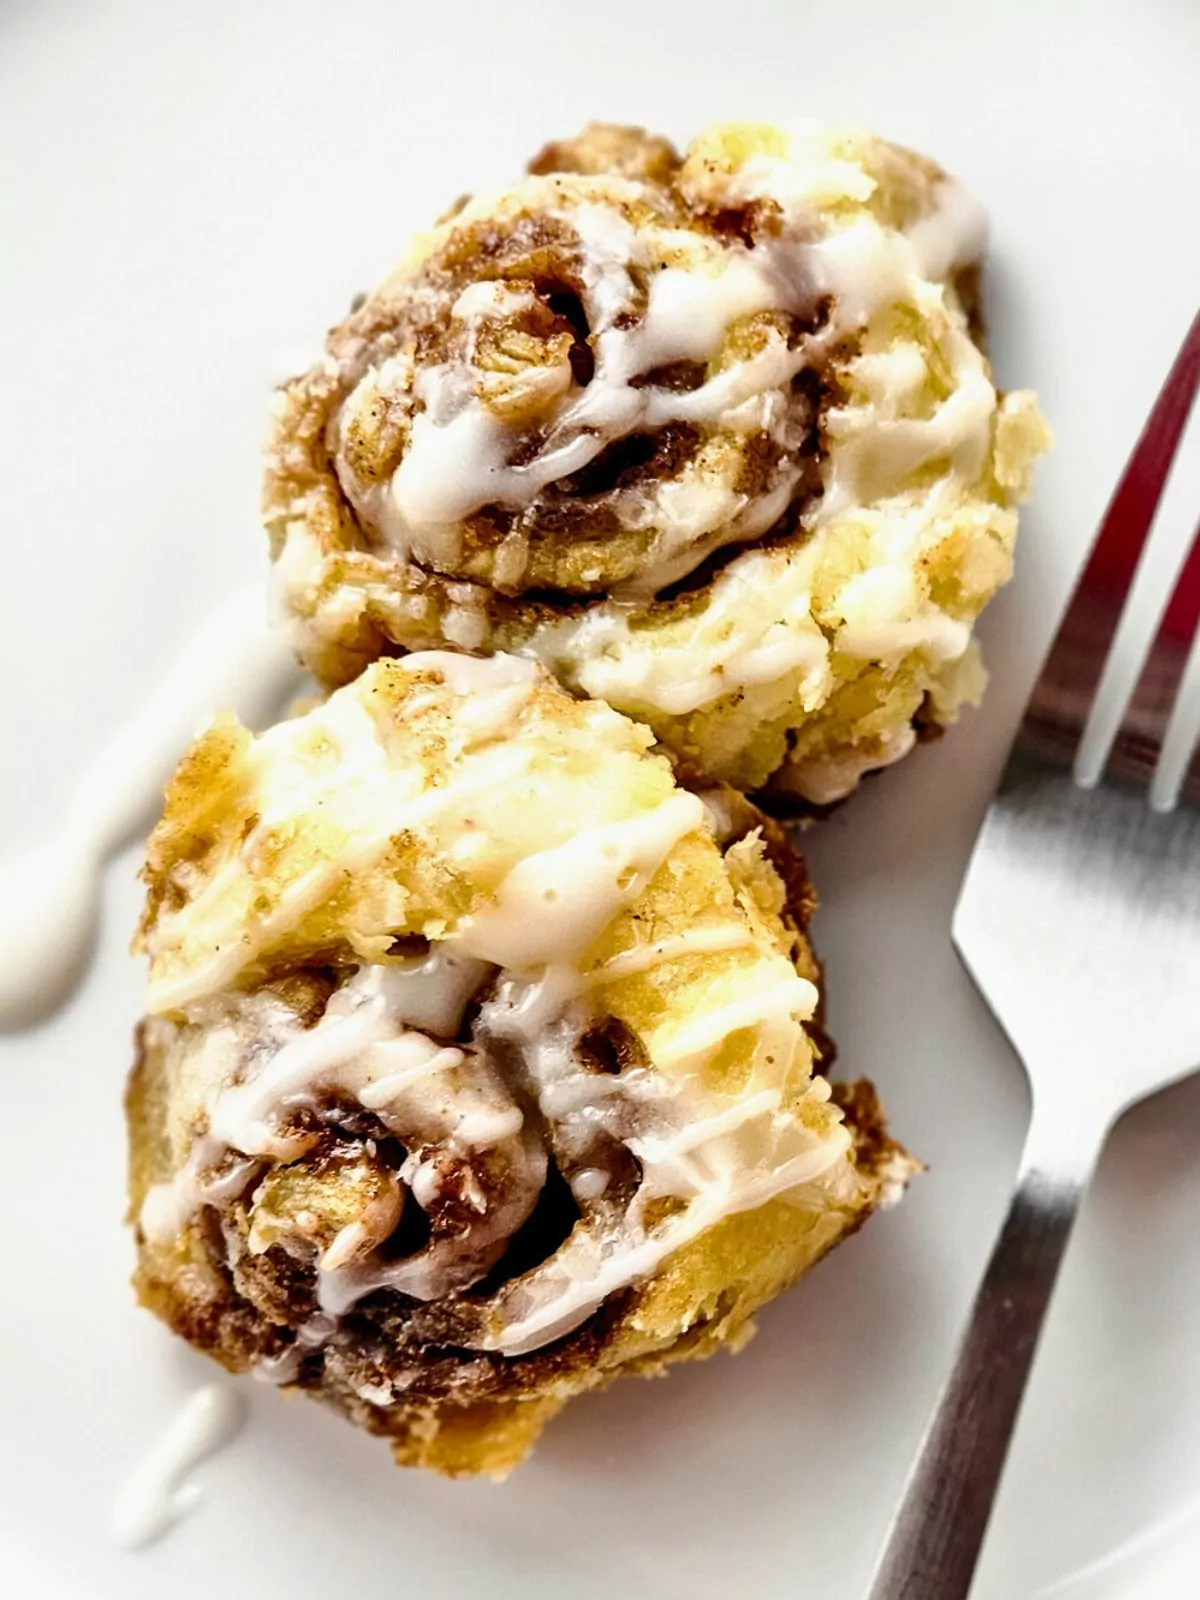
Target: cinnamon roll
<point>709,437</point>
<point>479,1063</point>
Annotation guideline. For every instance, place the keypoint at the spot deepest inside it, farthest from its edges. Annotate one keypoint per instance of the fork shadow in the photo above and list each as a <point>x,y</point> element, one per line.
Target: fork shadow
<point>1116,1392</point>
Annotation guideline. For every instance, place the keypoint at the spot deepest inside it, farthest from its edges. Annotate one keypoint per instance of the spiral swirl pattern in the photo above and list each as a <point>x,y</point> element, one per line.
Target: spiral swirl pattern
<point>709,437</point>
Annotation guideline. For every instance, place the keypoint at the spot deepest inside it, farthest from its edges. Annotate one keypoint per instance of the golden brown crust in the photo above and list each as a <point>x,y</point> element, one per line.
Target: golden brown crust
<point>708,566</point>
<point>610,147</point>
<point>404,1370</point>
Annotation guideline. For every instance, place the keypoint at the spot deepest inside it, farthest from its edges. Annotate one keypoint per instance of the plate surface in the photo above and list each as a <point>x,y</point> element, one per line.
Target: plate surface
<point>194,193</point>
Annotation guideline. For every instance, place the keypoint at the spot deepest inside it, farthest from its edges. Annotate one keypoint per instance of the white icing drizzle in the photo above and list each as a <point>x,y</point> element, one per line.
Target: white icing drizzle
<point>169,1207</point>
<point>457,458</point>
<point>365,791</point>
<point>758,625</point>
<point>284,1368</point>
<point>494,689</point>
<point>432,993</point>
<point>693,942</point>
<point>160,1490</point>
<point>903,457</point>
<point>722,1154</point>
<point>552,906</point>
<point>492,298</point>
<point>457,455</point>
<point>707,1162</point>
<point>49,895</point>
<point>830,777</point>
<point>876,451</point>
<point>756,628</point>
<point>951,234</point>
<point>358,1046</point>
<point>438,1098</point>
<point>688,313</point>
<point>697,518</point>
<point>791,996</point>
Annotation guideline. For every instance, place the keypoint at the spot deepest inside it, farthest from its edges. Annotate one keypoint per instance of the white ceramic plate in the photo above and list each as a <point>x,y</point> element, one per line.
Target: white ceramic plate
<point>190,193</point>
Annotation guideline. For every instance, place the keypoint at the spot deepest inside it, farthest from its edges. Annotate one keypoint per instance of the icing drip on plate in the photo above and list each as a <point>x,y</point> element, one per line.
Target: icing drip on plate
<point>160,1491</point>
<point>49,895</point>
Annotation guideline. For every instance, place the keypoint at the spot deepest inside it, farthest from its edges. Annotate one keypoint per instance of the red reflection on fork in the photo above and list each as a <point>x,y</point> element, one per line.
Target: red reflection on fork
<point>1066,689</point>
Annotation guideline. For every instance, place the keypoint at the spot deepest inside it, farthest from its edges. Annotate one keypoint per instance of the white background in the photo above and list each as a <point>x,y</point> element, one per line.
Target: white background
<point>191,194</point>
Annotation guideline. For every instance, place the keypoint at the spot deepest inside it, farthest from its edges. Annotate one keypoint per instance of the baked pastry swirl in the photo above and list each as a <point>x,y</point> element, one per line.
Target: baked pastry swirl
<point>709,437</point>
<point>479,1063</point>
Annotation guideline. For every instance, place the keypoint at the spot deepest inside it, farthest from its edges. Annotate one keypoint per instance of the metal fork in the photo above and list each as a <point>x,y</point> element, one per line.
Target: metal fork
<point>1079,921</point>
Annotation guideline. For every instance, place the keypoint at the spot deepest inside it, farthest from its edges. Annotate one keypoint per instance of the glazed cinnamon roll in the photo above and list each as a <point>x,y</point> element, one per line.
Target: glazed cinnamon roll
<point>479,1063</point>
<point>708,436</point>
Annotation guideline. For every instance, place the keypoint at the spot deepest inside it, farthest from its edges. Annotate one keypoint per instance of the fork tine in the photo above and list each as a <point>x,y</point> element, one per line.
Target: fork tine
<point>1181,745</point>
<point>1189,789</point>
<point>1062,696</point>
<point>1138,743</point>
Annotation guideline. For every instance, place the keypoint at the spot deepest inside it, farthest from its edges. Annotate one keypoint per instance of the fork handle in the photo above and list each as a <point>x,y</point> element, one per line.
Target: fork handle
<point>935,1538</point>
